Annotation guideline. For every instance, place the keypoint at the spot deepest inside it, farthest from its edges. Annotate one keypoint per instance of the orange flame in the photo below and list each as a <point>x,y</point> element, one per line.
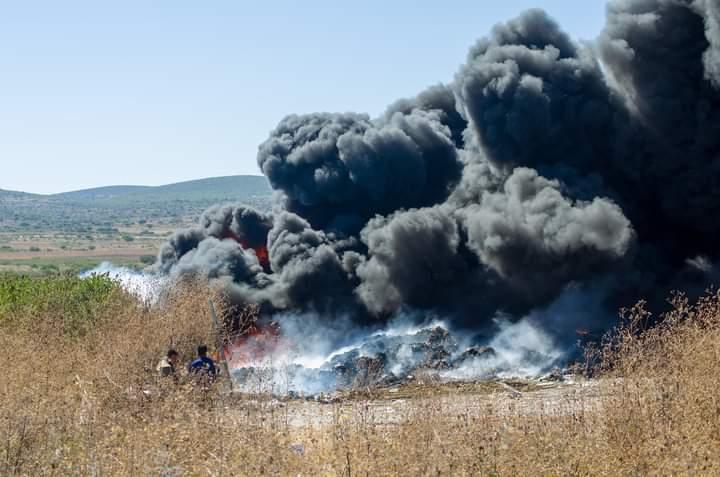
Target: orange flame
<point>261,251</point>
<point>254,345</point>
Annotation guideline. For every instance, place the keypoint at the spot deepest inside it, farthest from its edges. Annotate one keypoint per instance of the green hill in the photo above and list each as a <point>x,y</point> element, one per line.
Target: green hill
<point>12,194</point>
<point>104,207</point>
<point>216,189</point>
<point>108,192</point>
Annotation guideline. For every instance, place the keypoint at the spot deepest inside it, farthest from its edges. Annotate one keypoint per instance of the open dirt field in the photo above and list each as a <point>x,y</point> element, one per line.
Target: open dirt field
<point>478,400</point>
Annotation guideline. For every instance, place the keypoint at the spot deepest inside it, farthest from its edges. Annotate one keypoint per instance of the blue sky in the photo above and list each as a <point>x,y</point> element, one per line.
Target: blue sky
<point>150,92</point>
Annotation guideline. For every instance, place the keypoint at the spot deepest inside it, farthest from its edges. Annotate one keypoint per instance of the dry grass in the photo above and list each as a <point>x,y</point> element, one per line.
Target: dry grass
<point>92,406</point>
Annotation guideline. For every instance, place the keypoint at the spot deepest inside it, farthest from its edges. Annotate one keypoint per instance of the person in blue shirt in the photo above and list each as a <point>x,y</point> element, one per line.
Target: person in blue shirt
<point>203,365</point>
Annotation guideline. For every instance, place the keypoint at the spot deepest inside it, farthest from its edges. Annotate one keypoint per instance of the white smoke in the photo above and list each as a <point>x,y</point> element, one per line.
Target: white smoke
<point>145,286</point>
<point>521,350</point>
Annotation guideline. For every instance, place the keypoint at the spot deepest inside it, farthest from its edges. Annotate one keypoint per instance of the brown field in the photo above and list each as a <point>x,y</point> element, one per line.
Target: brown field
<point>105,251</point>
<point>92,405</point>
<point>19,251</point>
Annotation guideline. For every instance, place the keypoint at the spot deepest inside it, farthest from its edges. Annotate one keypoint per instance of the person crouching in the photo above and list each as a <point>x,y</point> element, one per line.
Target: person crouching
<point>166,366</point>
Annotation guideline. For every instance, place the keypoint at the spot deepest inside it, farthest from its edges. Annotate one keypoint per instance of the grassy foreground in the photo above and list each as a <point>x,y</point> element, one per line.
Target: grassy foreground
<point>79,397</point>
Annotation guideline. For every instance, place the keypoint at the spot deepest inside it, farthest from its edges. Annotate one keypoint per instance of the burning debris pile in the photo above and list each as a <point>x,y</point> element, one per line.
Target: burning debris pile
<point>393,356</point>
<point>550,182</point>
<point>384,360</point>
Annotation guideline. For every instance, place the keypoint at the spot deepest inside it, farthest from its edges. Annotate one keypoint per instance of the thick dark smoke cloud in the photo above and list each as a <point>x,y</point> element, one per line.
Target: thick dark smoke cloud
<point>222,258</point>
<point>308,263</point>
<point>660,55</point>
<point>177,246</point>
<point>535,99</point>
<point>243,224</point>
<point>546,169</point>
<point>537,240</point>
<point>413,257</point>
<point>240,224</point>
<point>339,170</point>
<point>439,98</point>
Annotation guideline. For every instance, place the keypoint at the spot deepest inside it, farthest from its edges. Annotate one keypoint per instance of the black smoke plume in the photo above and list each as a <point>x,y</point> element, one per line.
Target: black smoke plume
<point>546,167</point>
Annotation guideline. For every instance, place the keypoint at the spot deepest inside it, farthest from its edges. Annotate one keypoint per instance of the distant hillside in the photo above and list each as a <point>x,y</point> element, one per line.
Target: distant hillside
<point>103,207</point>
<point>213,189</point>
<point>12,194</point>
<point>108,192</point>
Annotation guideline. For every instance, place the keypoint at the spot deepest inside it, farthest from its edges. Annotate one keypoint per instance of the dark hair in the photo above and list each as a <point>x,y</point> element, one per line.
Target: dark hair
<point>171,352</point>
<point>202,350</point>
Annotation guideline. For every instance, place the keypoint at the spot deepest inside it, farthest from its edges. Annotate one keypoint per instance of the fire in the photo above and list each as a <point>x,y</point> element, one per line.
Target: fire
<point>261,251</point>
<point>254,345</point>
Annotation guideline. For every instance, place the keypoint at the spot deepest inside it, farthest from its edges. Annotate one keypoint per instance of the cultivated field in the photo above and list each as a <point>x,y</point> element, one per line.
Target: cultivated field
<point>50,251</point>
<point>80,397</point>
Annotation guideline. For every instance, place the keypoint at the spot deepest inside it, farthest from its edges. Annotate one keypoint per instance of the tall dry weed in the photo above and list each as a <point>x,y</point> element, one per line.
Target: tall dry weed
<point>93,405</point>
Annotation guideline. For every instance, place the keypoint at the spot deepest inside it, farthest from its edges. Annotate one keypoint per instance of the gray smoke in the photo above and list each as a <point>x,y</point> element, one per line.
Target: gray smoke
<point>439,98</point>
<point>662,58</point>
<point>538,240</point>
<point>413,257</point>
<point>308,264</point>
<point>711,10</point>
<point>243,224</point>
<point>547,169</point>
<point>534,98</point>
<point>339,170</point>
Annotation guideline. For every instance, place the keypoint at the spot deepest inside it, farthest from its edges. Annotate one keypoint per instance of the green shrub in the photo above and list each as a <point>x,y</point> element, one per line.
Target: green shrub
<point>71,303</point>
<point>147,259</point>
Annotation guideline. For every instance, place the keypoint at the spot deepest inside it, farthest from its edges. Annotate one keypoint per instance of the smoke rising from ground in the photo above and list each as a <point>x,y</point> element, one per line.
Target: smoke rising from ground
<point>544,166</point>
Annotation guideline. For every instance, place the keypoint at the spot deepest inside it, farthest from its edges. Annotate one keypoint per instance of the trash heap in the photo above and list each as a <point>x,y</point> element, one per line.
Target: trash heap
<point>381,359</point>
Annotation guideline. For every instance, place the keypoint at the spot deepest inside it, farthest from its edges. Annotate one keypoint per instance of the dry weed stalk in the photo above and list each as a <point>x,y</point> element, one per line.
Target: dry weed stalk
<point>92,405</point>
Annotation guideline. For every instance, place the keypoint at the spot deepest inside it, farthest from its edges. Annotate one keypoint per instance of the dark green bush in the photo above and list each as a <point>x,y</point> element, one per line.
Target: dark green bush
<point>66,301</point>
<point>147,259</point>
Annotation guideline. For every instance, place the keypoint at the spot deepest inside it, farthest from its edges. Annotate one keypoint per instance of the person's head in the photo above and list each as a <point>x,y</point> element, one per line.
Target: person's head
<point>172,356</point>
<point>202,350</point>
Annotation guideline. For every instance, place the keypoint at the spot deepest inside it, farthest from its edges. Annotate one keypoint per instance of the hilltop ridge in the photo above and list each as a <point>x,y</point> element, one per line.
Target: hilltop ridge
<point>103,207</point>
<point>214,188</point>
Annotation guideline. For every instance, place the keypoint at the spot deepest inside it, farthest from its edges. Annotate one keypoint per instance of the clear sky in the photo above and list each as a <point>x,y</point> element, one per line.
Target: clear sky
<point>150,92</point>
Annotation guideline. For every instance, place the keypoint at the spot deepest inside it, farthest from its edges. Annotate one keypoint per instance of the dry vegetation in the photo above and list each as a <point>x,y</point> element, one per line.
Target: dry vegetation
<point>88,403</point>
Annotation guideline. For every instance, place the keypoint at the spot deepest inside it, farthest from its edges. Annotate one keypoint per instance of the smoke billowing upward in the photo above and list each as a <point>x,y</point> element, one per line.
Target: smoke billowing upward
<point>544,166</point>
<point>339,170</point>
